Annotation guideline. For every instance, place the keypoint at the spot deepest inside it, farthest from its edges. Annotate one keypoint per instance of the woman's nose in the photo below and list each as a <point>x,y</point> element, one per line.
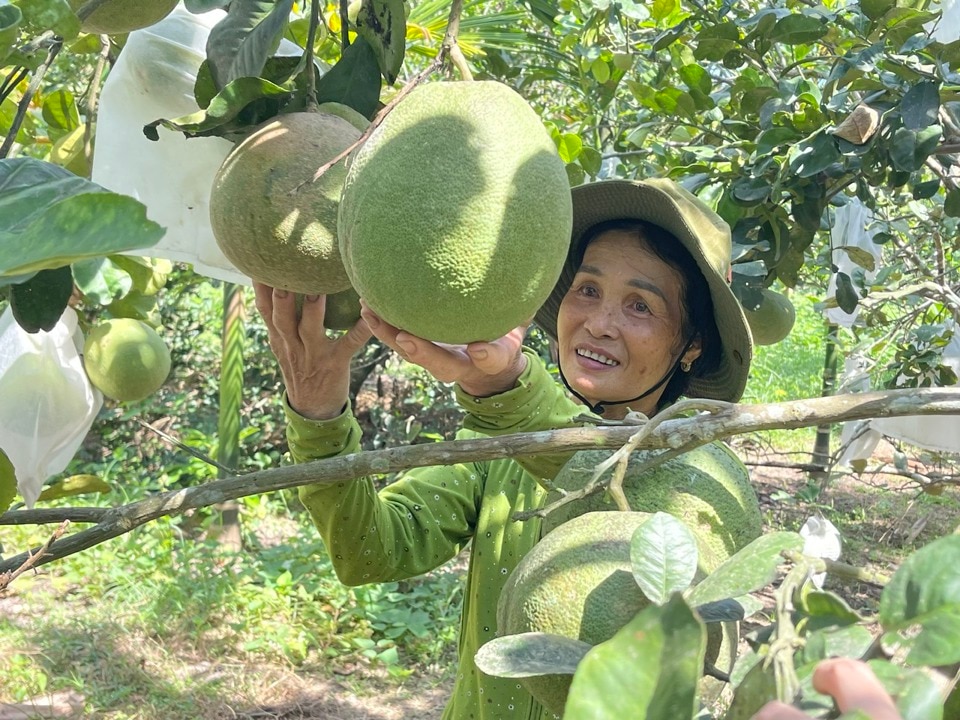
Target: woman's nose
<point>602,322</point>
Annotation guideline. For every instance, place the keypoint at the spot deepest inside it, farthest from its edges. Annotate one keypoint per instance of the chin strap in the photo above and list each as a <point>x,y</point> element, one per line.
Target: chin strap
<point>599,407</point>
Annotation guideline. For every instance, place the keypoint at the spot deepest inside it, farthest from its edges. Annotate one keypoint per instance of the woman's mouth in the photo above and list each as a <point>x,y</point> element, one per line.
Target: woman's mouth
<point>596,357</point>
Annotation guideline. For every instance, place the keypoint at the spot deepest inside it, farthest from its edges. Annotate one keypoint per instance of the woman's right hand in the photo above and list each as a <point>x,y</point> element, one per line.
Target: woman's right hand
<point>315,367</point>
<point>481,369</point>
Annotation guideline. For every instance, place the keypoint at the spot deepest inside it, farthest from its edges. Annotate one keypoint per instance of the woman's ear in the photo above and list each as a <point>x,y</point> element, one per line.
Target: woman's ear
<point>694,351</point>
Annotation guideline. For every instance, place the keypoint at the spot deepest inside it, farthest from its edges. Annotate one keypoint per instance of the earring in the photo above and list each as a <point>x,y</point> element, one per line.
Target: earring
<point>685,366</point>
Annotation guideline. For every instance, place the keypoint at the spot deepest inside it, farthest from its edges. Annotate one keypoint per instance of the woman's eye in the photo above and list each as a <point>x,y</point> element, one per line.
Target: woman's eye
<point>588,290</point>
<point>640,306</point>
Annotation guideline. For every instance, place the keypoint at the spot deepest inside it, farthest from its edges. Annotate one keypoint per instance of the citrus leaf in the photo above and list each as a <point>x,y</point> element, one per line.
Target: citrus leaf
<point>239,45</point>
<point>10,19</point>
<point>752,568</point>
<point>590,160</point>
<point>60,112</point>
<point>920,105</point>
<point>73,485</point>
<point>797,30</point>
<point>658,655</point>
<point>55,15</point>
<point>255,98</point>
<point>100,280</point>
<point>846,295</point>
<point>861,257</point>
<point>663,556</point>
<point>916,693</point>
<point>530,654</point>
<point>569,147</point>
<point>38,303</point>
<point>756,689</point>
<point>354,80</point>
<point>382,23</point>
<point>729,610</point>
<point>76,228</point>
<point>810,157</point>
<point>849,641</point>
<point>951,204</point>
<point>8,482</point>
<point>29,187</point>
<point>874,9</point>
<point>827,609</point>
<point>770,140</point>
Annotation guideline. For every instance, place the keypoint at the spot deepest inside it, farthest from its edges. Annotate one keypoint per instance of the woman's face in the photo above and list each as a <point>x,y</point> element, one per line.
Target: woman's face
<point>620,325</point>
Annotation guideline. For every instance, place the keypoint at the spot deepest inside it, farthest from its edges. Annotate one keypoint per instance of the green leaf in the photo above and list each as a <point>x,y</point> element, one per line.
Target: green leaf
<point>752,568</point>
<point>590,160</point>
<point>382,23</point>
<point>916,693</point>
<point>28,187</point>
<point>769,140</point>
<point>38,303</point>
<point>951,203</point>
<point>925,592</point>
<point>663,556</point>
<point>101,280</point>
<point>715,41</point>
<point>60,112</point>
<point>696,77</point>
<point>798,29</point>
<point>600,70</point>
<point>8,482</point>
<point>729,610</point>
<point>239,45</point>
<point>55,15</point>
<point>569,146</point>
<point>846,294</point>
<point>662,9</point>
<point>76,228</point>
<point>244,102</point>
<point>530,654</point>
<point>874,9</point>
<point>811,157</point>
<point>920,106</point>
<point>848,641</point>
<point>649,669</point>
<point>10,19</point>
<point>757,688</point>
<point>354,80</point>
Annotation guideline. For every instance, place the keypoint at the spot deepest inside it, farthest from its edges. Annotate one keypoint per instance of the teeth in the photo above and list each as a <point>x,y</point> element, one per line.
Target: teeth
<point>596,356</point>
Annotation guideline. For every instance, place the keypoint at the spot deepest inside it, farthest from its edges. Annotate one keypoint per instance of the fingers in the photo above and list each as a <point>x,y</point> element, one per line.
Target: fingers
<point>855,687</point>
<point>779,711</point>
<point>497,356</point>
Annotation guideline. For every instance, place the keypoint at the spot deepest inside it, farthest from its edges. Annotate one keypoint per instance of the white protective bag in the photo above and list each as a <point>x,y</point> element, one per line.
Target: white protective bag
<point>47,403</point>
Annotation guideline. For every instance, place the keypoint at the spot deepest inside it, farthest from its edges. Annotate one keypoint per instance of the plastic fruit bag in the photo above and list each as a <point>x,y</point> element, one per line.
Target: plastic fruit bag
<point>47,404</point>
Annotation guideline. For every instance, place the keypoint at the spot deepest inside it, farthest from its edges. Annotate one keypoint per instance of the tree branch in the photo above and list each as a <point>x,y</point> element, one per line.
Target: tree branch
<point>32,559</point>
<point>27,98</point>
<point>673,434</point>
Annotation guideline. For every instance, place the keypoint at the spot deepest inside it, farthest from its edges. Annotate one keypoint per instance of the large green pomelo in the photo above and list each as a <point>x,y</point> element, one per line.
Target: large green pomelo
<point>456,213</point>
<point>577,582</point>
<point>773,320</point>
<point>115,17</point>
<point>269,219</point>
<point>126,359</point>
<point>708,488</point>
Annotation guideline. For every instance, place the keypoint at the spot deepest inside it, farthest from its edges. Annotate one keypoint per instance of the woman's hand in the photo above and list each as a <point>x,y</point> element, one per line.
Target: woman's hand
<point>315,368</point>
<point>851,683</point>
<point>481,368</point>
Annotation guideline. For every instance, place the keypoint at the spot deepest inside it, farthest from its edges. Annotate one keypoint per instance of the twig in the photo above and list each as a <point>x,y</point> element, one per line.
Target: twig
<point>12,80</point>
<point>27,98</point>
<point>785,638</point>
<point>344,25</point>
<point>43,516</point>
<point>673,434</point>
<point>838,569</point>
<point>308,55</point>
<point>449,40</point>
<point>32,559</point>
<point>231,472</point>
<point>93,97</point>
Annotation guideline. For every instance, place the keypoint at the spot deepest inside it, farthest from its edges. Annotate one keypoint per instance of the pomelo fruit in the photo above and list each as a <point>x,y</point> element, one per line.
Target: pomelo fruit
<point>126,359</point>
<point>115,17</point>
<point>773,320</point>
<point>270,230</point>
<point>577,582</point>
<point>456,213</point>
<point>341,312</point>
<point>707,488</point>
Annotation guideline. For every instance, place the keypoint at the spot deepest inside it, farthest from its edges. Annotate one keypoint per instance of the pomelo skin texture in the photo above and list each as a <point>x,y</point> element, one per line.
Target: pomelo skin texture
<point>125,359</point>
<point>285,239</point>
<point>115,17</point>
<point>456,213</point>
<point>577,582</point>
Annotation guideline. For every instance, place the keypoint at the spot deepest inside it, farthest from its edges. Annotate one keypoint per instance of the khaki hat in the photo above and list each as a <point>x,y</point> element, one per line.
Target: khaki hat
<point>706,237</point>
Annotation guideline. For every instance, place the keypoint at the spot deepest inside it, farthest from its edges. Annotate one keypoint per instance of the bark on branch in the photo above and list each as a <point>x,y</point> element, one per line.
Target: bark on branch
<point>674,433</point>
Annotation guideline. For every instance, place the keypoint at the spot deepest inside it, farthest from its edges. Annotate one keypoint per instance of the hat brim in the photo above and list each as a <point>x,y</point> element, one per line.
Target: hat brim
<point>651,202</point>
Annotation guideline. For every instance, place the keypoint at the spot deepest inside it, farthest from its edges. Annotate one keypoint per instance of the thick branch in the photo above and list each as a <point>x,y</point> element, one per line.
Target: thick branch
<point>676,433</point>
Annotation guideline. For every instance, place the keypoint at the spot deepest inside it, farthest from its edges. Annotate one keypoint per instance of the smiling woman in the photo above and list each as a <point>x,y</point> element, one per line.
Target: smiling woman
<point>642,310</point>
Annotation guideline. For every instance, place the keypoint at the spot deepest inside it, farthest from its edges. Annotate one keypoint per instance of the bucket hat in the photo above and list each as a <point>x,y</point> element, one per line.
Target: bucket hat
<point>706,237</point>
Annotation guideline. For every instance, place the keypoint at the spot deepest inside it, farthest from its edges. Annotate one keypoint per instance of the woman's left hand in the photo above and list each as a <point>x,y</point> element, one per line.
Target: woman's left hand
<point>481,369</point>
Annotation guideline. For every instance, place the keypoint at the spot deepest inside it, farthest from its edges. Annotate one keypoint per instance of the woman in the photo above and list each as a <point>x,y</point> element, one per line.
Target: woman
<point>641,315</point>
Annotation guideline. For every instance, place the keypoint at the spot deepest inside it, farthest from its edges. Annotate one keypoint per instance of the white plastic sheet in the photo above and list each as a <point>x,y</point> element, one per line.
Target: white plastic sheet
<point>850,229</point>
<point>821,539</point>
<point>153,78</point>
<point>47,403</point>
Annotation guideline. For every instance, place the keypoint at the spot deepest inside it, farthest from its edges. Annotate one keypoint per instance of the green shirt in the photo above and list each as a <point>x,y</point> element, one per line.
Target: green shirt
<point>429,514</point>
